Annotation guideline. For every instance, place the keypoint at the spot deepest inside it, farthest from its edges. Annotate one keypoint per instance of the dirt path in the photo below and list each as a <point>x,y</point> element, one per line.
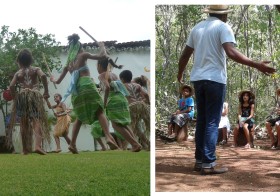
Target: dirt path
<point>256,169</point>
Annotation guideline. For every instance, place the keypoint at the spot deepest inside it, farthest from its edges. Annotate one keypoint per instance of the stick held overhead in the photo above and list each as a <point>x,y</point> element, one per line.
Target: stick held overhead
<point>88,34</point>
<point>91,37</point>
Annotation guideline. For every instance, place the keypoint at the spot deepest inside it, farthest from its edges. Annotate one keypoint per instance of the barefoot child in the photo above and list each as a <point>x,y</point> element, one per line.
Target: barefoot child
<point>29,103</point>
<point>139,110</point>
<point>61,128</point>
<point>116,104</point>
<point>87,102</point>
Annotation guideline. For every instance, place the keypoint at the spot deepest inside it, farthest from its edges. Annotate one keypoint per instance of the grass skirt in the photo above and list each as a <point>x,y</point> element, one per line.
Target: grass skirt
<point>28,105</point>
<point>62,124</point>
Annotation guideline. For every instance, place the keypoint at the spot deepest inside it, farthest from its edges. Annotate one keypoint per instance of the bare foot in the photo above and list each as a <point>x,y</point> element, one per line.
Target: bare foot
<point>112,145</point>
<point>73,149</point>
<point>40,151</point>
<point>58,150</point>
<point>136,148</point>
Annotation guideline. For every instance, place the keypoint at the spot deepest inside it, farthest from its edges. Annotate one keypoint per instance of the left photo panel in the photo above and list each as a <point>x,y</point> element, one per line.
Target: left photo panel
<point>75,98</point>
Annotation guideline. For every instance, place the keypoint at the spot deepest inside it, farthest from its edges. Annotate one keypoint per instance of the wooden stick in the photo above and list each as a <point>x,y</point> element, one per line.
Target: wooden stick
<point>88,34</point>
<point>91,37</point>
<point>44,58</point>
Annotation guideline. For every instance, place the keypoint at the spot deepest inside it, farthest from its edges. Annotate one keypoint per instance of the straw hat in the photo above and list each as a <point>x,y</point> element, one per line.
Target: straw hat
<point>246,91</point>
<point>217,9</point>
<point>187,86</point>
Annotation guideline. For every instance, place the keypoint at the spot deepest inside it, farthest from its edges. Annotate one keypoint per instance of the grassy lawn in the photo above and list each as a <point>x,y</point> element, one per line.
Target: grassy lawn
<point>88,173</point>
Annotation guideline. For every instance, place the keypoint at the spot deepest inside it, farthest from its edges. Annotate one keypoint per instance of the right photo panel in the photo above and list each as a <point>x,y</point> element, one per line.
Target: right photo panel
<point>217,98</point>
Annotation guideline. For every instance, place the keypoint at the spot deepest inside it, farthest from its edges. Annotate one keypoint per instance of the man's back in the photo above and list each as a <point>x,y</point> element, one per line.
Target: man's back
<point>206,39</point>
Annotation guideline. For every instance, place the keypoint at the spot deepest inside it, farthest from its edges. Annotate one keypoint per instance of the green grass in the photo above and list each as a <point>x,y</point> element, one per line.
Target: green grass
<point>88,173</point>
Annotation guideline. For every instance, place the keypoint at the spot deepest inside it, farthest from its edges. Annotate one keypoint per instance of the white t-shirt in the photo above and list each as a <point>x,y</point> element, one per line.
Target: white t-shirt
<point>206,38</point>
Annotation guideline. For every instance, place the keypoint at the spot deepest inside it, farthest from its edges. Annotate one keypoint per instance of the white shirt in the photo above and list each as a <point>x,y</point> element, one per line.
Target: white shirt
<point>206,38</point>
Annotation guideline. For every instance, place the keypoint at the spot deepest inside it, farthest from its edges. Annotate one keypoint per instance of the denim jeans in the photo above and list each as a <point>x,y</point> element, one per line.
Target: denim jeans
<point>209,103</point>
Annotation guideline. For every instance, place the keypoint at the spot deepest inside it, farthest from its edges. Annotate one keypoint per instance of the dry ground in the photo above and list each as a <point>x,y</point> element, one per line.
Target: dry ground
<point>250,170</point>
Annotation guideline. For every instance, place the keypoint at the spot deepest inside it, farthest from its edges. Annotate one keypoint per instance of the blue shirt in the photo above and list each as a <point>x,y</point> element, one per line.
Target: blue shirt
<point>184,103</point>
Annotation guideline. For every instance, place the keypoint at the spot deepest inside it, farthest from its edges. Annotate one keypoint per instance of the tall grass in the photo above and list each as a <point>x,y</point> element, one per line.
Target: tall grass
<point>88,173</point>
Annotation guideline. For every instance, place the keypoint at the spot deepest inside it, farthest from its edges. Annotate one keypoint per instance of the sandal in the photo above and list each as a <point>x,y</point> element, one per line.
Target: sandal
<point>273,147</point>
<point>223,142</point>
<point>247,146</point>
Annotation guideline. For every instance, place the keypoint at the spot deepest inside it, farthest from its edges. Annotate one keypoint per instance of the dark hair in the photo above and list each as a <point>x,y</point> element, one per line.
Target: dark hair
<point>220,16</point>
<point>126,75</point>
<point>141,80</point>
<point>58,95</point>
<point>250,101</point>
<point>73,38</point>
<point>25,57</point>
<point>104,63</point>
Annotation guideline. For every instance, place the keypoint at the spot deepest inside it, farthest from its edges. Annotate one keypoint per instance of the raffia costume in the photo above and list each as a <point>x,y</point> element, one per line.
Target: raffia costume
<point>29,105</point>
<point>139,111</point>
<point>62,125</point>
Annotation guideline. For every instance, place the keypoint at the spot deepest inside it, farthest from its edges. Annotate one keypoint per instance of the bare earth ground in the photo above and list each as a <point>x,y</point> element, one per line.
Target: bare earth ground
<point>250,170</point>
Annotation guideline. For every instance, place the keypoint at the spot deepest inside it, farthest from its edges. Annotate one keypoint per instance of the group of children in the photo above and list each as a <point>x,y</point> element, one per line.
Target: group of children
<point>177,124</point>
<point>124,102</point>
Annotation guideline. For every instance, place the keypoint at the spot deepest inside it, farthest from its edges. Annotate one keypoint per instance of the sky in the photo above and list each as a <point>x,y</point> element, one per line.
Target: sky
<point>105,20</point>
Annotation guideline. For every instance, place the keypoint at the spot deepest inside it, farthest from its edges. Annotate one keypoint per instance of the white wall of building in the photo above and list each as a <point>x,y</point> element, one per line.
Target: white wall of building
<point>133,60</point>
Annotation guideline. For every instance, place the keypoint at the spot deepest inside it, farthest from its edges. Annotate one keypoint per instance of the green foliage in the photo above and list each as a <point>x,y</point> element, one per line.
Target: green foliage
<point>257,31</point>
<point>89,173</point>
<point>12,42</point>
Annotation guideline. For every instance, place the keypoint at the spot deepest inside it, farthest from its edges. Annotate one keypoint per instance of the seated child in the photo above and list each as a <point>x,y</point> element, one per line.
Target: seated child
<point>224,123</point>
<point>245,117</point>
<point>184,113</point>
<point>275,120</point>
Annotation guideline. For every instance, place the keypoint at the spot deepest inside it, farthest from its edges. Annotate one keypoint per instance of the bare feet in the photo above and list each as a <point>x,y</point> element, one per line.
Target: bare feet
<point>58,150</point>
<point>40,151</point>
<point>73,149</point>
<point>136,148</point>
<point>112,145</point>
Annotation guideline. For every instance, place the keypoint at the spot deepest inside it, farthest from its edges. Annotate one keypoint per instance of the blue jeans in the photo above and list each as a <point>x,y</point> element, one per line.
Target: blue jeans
<point>209,102</point>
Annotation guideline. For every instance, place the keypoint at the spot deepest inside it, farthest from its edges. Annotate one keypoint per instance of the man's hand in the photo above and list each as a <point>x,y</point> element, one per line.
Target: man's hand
<point>264,68</point>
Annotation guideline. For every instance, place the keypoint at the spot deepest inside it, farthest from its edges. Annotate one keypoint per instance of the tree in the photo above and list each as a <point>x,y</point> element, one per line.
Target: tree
<point>12,42</point>
<point>256,29</point>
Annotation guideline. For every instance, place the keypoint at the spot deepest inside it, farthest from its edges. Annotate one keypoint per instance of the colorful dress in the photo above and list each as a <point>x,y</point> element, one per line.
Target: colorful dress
<point>117,108</point>
<point>87,101</point>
